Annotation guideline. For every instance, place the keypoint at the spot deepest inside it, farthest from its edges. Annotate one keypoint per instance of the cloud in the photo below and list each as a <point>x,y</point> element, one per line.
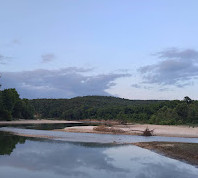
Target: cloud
<point>12,43</point>
<point>165,89</point>
<point>136,85</point>
<point>177,68</point>
<point>16,42</point>
<point>174,53</point>
<point>62,83</point>
<point>61,159</point>
<point>4,59</point>
<point>47,57</point>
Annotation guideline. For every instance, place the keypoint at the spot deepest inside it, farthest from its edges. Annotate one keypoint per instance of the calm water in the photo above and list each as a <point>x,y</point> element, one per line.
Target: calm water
<point>99,138</point>
<point>22,157</point>
<point>46,126</point>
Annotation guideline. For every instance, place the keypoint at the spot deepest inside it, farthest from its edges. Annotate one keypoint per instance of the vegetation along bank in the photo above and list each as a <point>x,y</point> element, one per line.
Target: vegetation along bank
<point>162,112</point>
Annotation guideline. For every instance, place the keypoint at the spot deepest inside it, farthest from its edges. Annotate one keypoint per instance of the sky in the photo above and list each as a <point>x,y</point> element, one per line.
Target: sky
<point>134,49</point>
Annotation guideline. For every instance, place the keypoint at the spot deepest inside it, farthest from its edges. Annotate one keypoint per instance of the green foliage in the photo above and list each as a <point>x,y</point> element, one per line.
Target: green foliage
<point>12,107</point>
<point>100,108</point>
<point>96,107</point>
<point>9,98</point>
<point>123,110</point>
<point>187,100</point>
<point>5,115</point>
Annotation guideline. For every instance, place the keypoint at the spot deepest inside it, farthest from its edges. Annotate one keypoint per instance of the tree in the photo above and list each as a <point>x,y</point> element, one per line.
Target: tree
<point>0,83</point>
<point>11,106</point>
<point>182,110</point>
<point>187,100</point>
<point>9,98</point>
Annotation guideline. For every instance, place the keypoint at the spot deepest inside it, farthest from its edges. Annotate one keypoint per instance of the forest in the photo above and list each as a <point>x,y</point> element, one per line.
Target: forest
<point>12,107</point>
<point>123,110</point>
<point>164,112</point>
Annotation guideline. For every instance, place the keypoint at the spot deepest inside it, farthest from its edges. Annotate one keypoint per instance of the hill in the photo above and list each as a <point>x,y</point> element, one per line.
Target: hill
<point>94,107</point>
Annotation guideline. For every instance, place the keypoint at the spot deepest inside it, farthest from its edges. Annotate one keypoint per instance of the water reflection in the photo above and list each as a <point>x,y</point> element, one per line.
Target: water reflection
<point>100,138</point>
<point>44,126</point>
<point>8,143</point>
<point>60,158</point>
<point>42,158</point>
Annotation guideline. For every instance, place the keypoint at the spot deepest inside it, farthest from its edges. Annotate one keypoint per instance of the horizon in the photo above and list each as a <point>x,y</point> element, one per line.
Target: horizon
<point>137,50</point>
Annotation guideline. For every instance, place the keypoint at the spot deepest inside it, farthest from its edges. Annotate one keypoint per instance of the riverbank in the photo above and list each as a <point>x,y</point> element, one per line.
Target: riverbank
<point>115,128</point>
<point>42,121</point>
<point>187,152</point>
<point>137,129</point>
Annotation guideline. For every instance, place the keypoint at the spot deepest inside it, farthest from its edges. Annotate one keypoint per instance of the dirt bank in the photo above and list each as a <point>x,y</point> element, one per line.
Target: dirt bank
<point>187,152</point>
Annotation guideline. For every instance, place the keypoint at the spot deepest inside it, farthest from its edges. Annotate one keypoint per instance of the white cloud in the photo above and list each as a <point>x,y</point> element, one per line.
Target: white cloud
<point>177,68</point>
<point>62,83</point>
<point>47,57</point>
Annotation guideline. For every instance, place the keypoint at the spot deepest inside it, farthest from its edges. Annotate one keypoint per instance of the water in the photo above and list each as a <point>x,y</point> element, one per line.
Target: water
<point>46,126</point>
<point>22,157</point>
<point>99,138</point>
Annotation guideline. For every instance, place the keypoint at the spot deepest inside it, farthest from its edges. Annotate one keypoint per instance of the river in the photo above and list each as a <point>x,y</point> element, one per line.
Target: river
<point>85,155</point>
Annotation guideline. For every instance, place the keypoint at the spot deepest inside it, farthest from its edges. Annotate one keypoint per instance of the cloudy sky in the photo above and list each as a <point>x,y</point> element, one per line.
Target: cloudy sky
<point>135,49</point>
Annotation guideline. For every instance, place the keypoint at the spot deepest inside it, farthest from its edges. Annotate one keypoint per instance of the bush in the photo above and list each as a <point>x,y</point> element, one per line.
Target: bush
<point>5,115</point>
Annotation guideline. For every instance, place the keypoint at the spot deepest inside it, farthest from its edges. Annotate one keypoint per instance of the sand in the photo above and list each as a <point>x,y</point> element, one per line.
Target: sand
<point>132,129</point>
<point>181,151</point>
<point>79,129</point>
<point>137,129</point>
<point>42,121</point>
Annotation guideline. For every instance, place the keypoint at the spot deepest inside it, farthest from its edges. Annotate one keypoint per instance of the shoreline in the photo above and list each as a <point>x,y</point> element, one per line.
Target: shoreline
<point>137,129</point>
<point>185,152</point>
<point>130,129</point>
<point>181,151</point>
<point>40,121</point>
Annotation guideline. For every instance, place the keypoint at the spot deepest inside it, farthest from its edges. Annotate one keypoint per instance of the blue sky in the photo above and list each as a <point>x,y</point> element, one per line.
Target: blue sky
<point>136,49</point>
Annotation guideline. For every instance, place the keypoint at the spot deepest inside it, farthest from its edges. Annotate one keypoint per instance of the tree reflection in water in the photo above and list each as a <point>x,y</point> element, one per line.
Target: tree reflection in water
<point>8,143</point>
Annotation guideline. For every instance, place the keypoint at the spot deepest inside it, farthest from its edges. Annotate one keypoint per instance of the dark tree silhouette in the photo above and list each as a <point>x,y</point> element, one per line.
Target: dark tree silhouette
<point>187,100</point>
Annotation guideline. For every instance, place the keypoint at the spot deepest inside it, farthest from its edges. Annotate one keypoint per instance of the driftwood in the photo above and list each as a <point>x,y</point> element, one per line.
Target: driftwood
<point>145,132</point>
<point>148,132</point>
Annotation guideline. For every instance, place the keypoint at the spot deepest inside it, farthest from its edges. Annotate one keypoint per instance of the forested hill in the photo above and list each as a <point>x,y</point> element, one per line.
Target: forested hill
<point>100,108</point>
<point>95,107</point>
<point>112,108</point>
<point>88,101</point>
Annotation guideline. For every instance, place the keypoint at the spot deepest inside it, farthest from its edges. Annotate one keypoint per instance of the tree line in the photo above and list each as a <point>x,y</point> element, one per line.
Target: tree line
<point>123,110</point>
<point>12,107</point>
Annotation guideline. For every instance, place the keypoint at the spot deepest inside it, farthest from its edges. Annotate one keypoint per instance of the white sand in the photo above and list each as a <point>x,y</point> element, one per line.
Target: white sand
<point>165,130</point>
<point>42,121</point>
<point>79,129</point>
<point>137,129</point>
